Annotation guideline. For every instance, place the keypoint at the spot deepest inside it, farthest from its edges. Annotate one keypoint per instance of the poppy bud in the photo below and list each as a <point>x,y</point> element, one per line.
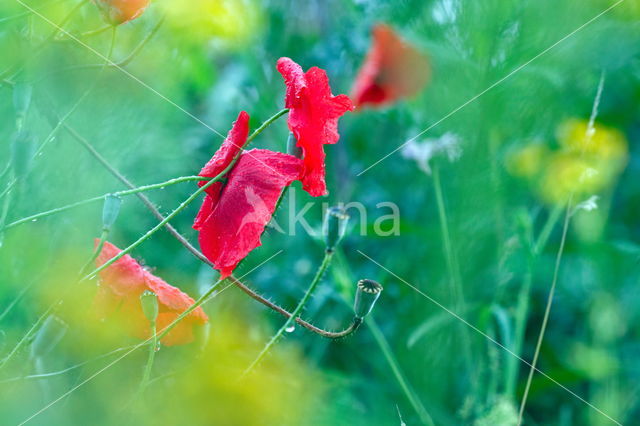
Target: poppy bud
<point>335,226</point>
<point>21,100</point>
<point>367,293</point>
<point>49,335</point>
<point>110,210</point>
<point>149,302</point>
<point>22,151</point>
<point>292,148</point>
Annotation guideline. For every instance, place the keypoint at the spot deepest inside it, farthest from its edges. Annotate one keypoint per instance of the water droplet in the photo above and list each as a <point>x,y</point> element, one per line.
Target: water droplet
<point>290,329</point>
<point>34,220</point>
<point>158,347</point>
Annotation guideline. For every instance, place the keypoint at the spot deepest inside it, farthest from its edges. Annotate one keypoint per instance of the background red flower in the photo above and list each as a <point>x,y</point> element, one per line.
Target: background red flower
<point>393,69</point>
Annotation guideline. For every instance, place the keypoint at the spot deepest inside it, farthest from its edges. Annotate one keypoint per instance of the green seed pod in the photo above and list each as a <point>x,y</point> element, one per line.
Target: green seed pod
<point>21,100</point>
<point>110,210</point>
<point>22,151</point>
<point>149,302</point>
<point>335,226</point>
<point>49,335</point>
<point>367,293</point>
<point>292,149</point>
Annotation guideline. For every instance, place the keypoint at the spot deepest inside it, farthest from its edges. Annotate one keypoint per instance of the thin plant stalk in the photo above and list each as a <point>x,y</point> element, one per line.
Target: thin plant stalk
<point>137,190</point>
<point>314,283</point>
<point>547,310</point>
<point>153,347</point>
<point>408,391</point>
<point>453,267</point>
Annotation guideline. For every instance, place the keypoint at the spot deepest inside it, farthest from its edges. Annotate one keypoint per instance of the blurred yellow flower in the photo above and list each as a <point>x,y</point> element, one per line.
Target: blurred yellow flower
<point>566,174</point>
<point>231,21</point>
<point>588,161</point>
<point>602,142</point>
<point>528,161</point>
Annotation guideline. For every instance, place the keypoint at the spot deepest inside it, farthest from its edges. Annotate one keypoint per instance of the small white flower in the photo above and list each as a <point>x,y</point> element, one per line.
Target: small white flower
<point>587,205</point>
<point>422,152</point>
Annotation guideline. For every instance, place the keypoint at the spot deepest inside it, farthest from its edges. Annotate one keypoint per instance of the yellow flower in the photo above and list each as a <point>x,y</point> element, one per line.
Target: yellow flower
<point>604,143</point>
<point>231,21</point>
<point>568,173</point>
<point>528,161</point>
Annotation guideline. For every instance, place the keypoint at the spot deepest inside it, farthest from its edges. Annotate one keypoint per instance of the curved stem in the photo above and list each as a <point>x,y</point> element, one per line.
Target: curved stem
<point>324,333</point>
<point>194,251</point>
<point>171,215</point>
<point>266,124</point>
<point>314,283</point>
<point>101,198</point>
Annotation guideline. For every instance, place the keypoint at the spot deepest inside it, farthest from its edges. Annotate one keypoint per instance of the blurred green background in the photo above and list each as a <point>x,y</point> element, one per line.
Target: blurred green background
<point>417,362</point>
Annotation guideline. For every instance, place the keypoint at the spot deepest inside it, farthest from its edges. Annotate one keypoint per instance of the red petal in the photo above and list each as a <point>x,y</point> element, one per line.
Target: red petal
<point>172,299</point>
<point>313,118</point>
<point>392,70</point>
<point>231,146</point>
<point>247,202</point>
<point>125,276</point>
<point>120,287</point>
<point>204,212</point>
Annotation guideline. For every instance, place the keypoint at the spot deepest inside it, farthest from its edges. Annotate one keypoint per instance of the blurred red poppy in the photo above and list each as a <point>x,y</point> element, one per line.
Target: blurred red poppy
<point>313,118</point>
<point>117,12</point>
<point>121,285</point>
<point>392,70</point>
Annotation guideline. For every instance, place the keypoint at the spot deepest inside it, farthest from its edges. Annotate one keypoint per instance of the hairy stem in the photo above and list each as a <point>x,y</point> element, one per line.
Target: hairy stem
<point>314,283</point>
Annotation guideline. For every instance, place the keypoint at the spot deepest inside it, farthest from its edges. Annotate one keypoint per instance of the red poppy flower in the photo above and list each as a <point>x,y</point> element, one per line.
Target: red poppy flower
<point>392,70</point>
<point>117,12</point>
<point>313,118</point>
<point>230,147</point>
<point>237,219</point>
<point>121,285</point>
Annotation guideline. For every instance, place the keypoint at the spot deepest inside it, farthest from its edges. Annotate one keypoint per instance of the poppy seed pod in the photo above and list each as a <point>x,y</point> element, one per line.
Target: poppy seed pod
<point>292,146</point>
<point>149,302</point>
<point>335,226</point>
<point>367,293</point>
<point>110,210</point>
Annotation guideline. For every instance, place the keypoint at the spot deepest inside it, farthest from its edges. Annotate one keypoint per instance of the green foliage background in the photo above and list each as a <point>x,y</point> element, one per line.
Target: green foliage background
<point>217,58</point>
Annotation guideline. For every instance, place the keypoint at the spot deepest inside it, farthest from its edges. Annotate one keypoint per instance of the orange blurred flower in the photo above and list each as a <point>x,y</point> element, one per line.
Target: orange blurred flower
<point>392,70</point>
<point>121,285</point>
<point>118,12</point>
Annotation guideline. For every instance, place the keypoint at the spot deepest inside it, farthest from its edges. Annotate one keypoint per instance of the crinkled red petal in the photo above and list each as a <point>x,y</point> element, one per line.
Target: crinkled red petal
<point>245,207</point>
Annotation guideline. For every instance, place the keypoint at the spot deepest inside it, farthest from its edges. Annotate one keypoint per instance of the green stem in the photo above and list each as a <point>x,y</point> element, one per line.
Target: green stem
<point>265,125</point>
<point>190,309</point>
<point>16,70</point>
<point>101,198</point>
<point>452,264</point>
<point>166,220</point>
<point>415,402</point>
<point>26,337</point>
<point>97,251</point>
<point>545,233</point>
<point>152,354</point>
<point>296,312</point>
<point>547,310</point>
